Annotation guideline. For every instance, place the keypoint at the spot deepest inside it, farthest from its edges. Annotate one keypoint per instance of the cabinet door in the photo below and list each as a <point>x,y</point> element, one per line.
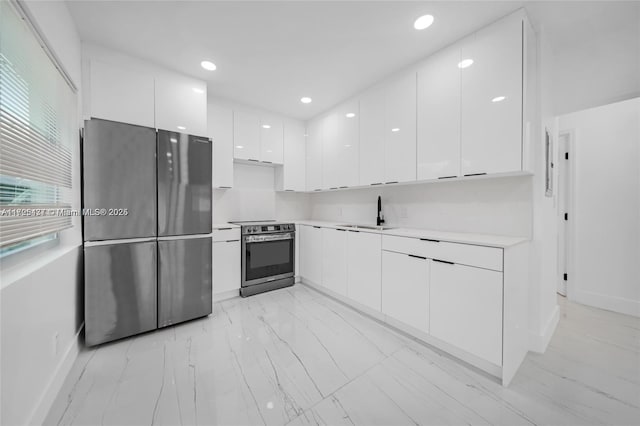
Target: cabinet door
<point>292,176</point>
<point>400,130</point>
<point>348,144</point>
<point>438,150</point>
<point>492,99</point>
<point>364,264</point>
<point>314,155</point>
<point>405,289</point>
<point>311,254</point>
<point>334,260</point>
<point>246,135</point>
<point>221,132</point>
<point>466,309</point>
<point>372,137</point>
<point>181,105</point>
<point>122,95</point>
<point>226,266</point>
<point>271,140</point>
<point>330,150</point>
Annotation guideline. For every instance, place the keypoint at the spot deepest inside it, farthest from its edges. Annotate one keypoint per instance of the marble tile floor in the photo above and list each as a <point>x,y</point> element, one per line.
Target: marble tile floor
<point>296,357</point>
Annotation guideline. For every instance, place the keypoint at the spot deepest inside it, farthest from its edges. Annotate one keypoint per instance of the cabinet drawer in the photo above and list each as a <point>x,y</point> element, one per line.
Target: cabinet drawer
<point>464,254</point>
<point>226,234</point>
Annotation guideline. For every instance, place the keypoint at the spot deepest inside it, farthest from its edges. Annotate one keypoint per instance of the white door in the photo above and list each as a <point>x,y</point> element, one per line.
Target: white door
<point>466,309</point>
<point>492,99</point>
<point>220,124</point>
<point>226,266</point>
<point>405,289</point>
<point>372,137</point>
<point>438,151</point>
<point>364,271</point>
<point>246,135</point>
<point>400,129</point>
<point>334,260</point>
<point>313,166</point>
<point>271,140</point>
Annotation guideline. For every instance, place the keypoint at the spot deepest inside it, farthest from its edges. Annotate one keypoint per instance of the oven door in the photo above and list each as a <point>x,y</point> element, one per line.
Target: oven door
<point>267,257</point>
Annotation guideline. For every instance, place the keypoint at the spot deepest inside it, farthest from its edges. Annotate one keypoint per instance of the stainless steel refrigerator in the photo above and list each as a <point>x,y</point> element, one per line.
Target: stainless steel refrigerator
<point>147,229</point>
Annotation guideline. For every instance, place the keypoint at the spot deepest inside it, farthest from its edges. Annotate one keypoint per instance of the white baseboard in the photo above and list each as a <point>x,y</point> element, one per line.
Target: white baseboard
<point>539,342</point>
<point>52,388</point>
<point>610,303</point>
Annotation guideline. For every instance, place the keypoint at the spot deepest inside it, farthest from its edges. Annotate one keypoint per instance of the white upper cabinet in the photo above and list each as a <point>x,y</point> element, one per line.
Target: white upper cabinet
<point>246,135</point>
<point>438,151</point>
<point>220,124</point>
<point>400,129</point>
<point>372,137</point>
<point>291,176</point>
<point>340,146</point>
<point>492,98</point>
<point>181,105</point>
<point>271,139</point>
<point>314,154</point>
<point>120,94</point>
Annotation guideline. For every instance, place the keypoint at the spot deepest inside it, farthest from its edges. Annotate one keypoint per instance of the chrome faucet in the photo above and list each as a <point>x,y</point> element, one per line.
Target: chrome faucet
<point>380,217</point>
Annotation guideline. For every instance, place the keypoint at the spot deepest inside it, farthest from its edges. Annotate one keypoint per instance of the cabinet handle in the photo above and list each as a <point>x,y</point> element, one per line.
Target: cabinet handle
<point>447,177</point>
<point>223,229</point>
<point>475,174</point>
<point>341,230</point>
<point>377,183</point>
<point>353,230</point>
<point>289,190</point>
<point>268,162</point>
<point>417,257</point>
<point>224,187</point>
<point>334,188</point>
<point>443,261</point>
<point>343,187</point>
<point>430,240</point>
<point>251,159</point>
<point>317,227</point>
<point>393,181</point>
<point>231,241</point>
<point>318,189</point>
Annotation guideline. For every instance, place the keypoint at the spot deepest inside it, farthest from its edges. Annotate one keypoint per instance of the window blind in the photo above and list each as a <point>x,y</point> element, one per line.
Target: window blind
<point>37,116</point>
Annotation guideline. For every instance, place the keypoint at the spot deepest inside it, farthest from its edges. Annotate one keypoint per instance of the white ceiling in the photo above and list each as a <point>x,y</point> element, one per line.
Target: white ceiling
<point>269,54</point>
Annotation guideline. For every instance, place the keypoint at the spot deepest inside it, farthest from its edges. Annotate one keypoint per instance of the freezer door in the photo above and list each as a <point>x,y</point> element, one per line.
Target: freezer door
<point>184,280</point>
<point>120,290</point>
<point>184,184</point>
<point>119,172</point>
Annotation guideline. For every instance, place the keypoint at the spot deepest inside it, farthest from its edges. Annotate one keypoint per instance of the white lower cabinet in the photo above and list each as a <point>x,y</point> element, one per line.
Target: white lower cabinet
<point>364,260</point>
<point>405,289</point>
<point>311,253</point>
<point>226,266</point>
<point>466,309</point>
<point>334,260</point>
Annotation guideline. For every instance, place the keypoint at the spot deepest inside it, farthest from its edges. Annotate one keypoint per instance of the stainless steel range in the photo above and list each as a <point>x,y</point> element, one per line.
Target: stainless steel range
<point>268,256</point>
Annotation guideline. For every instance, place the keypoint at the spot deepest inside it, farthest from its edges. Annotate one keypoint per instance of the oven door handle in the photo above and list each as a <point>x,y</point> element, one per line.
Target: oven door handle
<point>269,237</point>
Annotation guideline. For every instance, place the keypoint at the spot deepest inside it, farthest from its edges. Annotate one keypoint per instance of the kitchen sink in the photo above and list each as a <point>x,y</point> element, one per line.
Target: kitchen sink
<point>377,228</point>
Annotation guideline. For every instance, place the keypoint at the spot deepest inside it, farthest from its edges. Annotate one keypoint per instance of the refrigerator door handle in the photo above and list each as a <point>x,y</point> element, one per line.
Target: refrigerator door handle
<point>185,237</point>
<point>119,241</point>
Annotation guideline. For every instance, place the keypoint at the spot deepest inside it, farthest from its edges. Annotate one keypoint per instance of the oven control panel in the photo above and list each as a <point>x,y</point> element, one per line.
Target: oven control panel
<point>268,229</point>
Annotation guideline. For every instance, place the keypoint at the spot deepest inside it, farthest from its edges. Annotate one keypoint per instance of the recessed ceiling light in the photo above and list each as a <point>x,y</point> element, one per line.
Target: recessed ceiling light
<point>350,115</point>
<point>208,65</point>
<point>305,100</point>
<point>498,99</point>
<point>269,150</point>
<point>173,140</point>
<point>305,135</point>
<point>239,146</point>
<point>266,126</point>
<point>347,146</point>
<point>169,154</point>
<point>423,22</point>
<point>465,63</point>
<point>181,128</point>
<point>395,129</point>
<point>198,90</point>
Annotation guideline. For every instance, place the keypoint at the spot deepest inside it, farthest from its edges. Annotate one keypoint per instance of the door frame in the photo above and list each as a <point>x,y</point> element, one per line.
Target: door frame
<point>566,203</point>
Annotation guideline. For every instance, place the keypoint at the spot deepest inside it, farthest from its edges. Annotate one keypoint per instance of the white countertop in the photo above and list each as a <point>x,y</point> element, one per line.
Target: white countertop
<point>454,237</point>
<point>225,225</point>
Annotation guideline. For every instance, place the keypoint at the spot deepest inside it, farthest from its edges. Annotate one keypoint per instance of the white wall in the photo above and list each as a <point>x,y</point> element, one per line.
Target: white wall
<point>41,296</point>
<point>605,215</point>
<point>253,197</point>
<point>493,206</point>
